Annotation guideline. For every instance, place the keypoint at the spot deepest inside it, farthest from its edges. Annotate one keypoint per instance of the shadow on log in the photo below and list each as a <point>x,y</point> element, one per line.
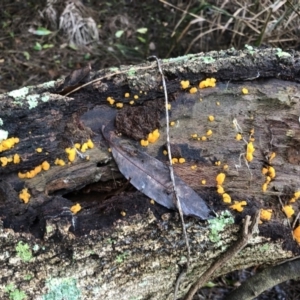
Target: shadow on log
<point>120,245</point>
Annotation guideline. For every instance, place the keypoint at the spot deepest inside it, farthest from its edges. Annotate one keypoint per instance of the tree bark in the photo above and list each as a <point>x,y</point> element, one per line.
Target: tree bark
<point>99,253</point>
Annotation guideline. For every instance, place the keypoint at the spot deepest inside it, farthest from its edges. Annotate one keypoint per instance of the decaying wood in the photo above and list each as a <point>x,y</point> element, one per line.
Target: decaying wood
<point>139,256</point>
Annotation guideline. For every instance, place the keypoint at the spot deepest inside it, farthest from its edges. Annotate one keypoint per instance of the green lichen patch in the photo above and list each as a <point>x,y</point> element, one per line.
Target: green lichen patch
<point>14,293</point>
<point>19,94</point>
<point>32,100</point>
<point>23,251</point>
<point>3,135</point>
<point>62,289</point>
<point>45,98</point>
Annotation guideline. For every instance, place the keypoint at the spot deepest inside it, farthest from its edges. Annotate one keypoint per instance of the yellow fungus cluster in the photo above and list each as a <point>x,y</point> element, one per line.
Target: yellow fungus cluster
<point>288,210</point>
<point>5,160</point>
<point>110,100</point>
<point>245,91</point>
<point>152,138</point>
<point>295,197</point>
<point>220,178</point>
<point>71,153</point>
<point>127,95</point>
<point>250,151</point>
<point>238,205</point>
<point>59,162</point>
<point>209,132</point>
<point>75,208</point>
<point>194,167</point>
<point>184,84</point>
<point>180,160</point>
<point>8,143</point>
<point>24,195</point>
<point>217,163</point>
<point>270,174</point>
<point>265,214</point>
<point>209,82</point>
<point>193,90</point>
<point>30,174</point>
<point>272,156</point>
<point>226,198</point>
<point>119,105</point>
<point>39,150</point>
<point>220,190</point>
<point>296,234</point>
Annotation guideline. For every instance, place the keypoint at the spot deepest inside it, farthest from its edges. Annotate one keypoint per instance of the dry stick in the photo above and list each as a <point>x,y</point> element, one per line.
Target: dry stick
<point>173,178</point>
<point>248,230</point>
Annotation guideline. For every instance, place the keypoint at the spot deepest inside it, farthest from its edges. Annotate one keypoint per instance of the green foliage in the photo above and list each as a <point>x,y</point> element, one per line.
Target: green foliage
<point>281,53</point>
<point>218,224</point>
<point>62,289</point>
<point>23,251</point>
<point>121,257</point>
<point>14,294</point>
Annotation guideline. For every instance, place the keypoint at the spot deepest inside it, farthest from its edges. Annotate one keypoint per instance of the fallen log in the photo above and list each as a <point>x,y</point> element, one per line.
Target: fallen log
<point>120,245</point>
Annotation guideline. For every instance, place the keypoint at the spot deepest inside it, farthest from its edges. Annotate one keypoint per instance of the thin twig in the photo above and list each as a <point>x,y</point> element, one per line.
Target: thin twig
<point>249,228</point>
<point>173,178</point>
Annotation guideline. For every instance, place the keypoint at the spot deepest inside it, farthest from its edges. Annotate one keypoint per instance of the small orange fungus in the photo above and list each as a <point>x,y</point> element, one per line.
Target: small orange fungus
<point>193,90</point>
<point>209,132</point>
<point>123,213</point>
<point>127,95</point>
<point>71,153</point>
<point>136,97</point>
<point>194,167</point>
<point>144,143</point>
<point>131,102</point>
<point>264,187</point>
<point>169,106</point>
<point>153,136</point>
<point>272,156</point>
<point>45,165</point>
<point>75,208</point>
<point>110,100</point>
<point>296,196</point>
<point>296,234</point>
<point>220,178</point>
<point>265,214</point>
<point>90,143</point>
<point>264,171</point>
<point>59,162</point>
<point>209,82</point>
<point>238,205</point>
<point>218,103</point>
<point>245,91</point>
<point>226,198</point>
<point>24,195</point>
<point>220,189</point>
<point>39,150</point>
<point>181,160</point>
<point>288,210</point>
<point>4,161</point>
<point>271,172</point>
<point>203,138</point>
<point>203,181</point>
<point>8,143</point>
<point>172,123</point>
<point>217,163</point>
<point>194,135</point>
<point>165,152</point>
<point>17,159</point>
<point>238,137</point>
<point>184,84</point>
<point>119,105</point>
<point>174,160</point>
<point>84,147</point>
<point>211,118</point>
<point>152,201</point>
<point>225,167</point>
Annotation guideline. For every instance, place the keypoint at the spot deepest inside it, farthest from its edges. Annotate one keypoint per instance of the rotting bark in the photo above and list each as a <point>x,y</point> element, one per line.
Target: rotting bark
<point>139,255</point>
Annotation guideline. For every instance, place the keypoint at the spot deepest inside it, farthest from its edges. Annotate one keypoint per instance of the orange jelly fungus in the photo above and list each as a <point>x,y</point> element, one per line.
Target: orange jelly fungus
<point>245,91</point>
<point>209,82</point>
<point>272,156</point>
<point>264,187</point>
<point>75,208</point>
<point>220,189</point>
<point>220,178</point>
<point>136,97</point>
<point>296,234</point>
<point>295,197</point>
<point>250,151</point>
<point>203,138</point>
<point>172,123</point>
<point>84,147</point>
<point>238,137</point>
<point>39,150</point>
<point>181,160</point>
<point>4,161</point>
<point>24,195</point>
<point>288,210</point>
<point>16,159</point>
<point>184,84</point>
<point>174,160</point>
<point>59,162</point>
<point>119,105</point>
<point>211,118</point>
<point>45,165</point>
<point>71,153</point>
<point>165,152</point>
<point>238,205</point>
<point>226,198</point>
<point>90,143</point>
<point>209,132</point>
<point>127,95</point>
<point>110,100</point>
<point>131,102</point>
<point>144,143</point>
<point>194,167</point>
<point>193,90</point>
<point>8,143</point>
<point>265,214</point>
<point>203,181</point>
<point>264,171</point>
<point>271,172</point>
<point>153,136</point>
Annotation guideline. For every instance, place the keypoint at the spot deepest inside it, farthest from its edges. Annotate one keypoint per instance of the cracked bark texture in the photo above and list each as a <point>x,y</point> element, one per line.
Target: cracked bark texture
<point>139,256</point>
